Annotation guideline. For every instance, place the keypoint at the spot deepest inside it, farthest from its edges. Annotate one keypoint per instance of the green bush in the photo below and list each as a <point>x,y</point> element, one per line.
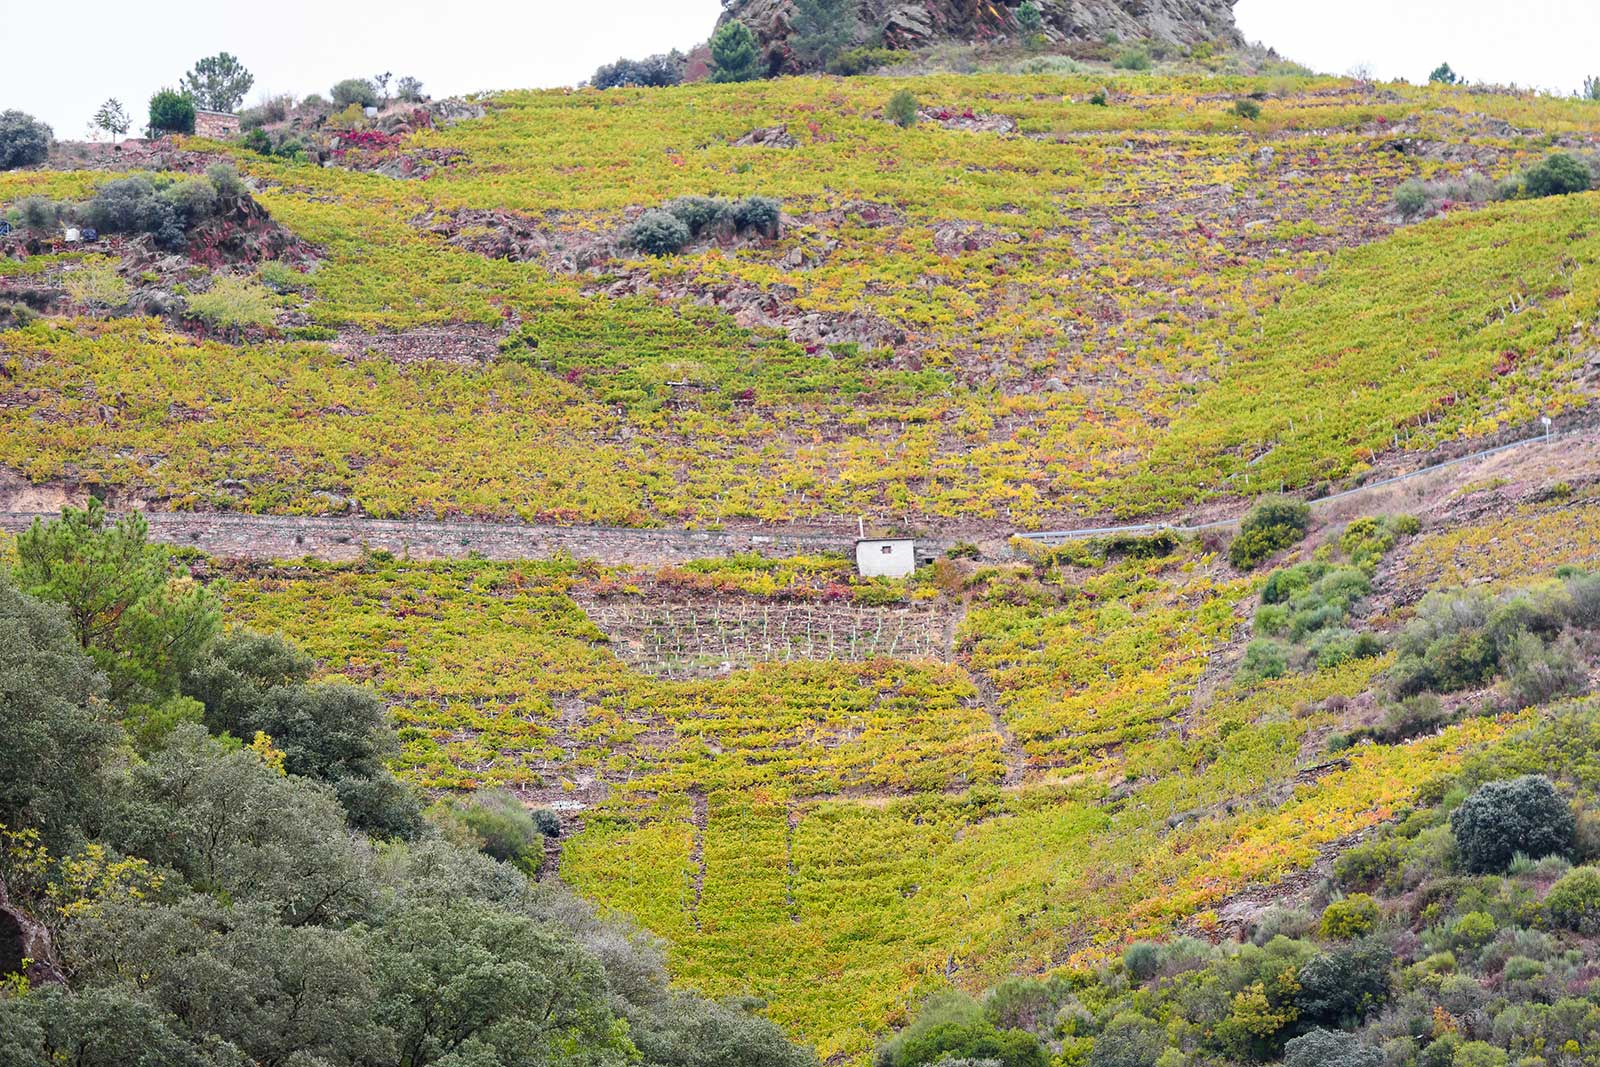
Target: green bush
<point>133,205</point>
<point>257,140</point>
<point>1133,59</point>
<point>1556,175</point>
<point>820,29</point>
<point>171,112</point>
<point>232,302</point>
<point>1246,108</point>
<point>1410,197</point>
<point>357,91</point>
<point>853,61</point>
<point>1129,1040</point>
<point>654,72</point>
<point>901,109</point>
<point>38,213</point>
<point>24,140</point>
<point>1263,660</point>
<point>1341,988</point>
<point>1354,916</point>
<point>1271,525</point>
<point>699,213</point>
<point>735,55</point>
<point>763,214</point>
<point>1503,818</point>
<point>953,1027</point>
<point>1573,903</point>
<point>1537,673</point>
<point>1141,960</point>
<point>504,829</point>
<point>1330,1048</point>
<point>658,233</point>
<point>1479,1054</point>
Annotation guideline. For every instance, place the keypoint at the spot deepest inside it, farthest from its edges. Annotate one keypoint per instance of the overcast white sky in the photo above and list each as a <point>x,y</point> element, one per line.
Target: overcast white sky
<point>60,60</point>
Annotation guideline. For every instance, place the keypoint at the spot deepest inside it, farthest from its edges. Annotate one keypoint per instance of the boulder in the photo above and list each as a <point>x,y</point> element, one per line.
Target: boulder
<point>911,24</point>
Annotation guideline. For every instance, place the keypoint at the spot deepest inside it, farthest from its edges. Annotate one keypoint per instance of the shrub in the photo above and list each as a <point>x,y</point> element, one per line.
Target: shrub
<point>1246,108</point>
<point>1479,1054</point>
<point>97,283</point>
<point>1340,988</point>
<point>762,214</point>
<point>233,301</point>
<point>820,29</point>
<point>853,61</point>
<point>1354,916</point>
<point>656,71</point>
<point>1129,1040</point>
<point>193,199</point>
<point>1030,20</point>
<point>953,1027</point>
<point>1556,175</point>
<point>1472,930</point>
<point>735,56</point>
<point>1141,960</point>
<point>171,112</point>
<point>257,141</point>
<point>1132,59</point>
<point>699,213</point>
<point>901,109</point>
<point>1263,660</point>
<point>1369,863</point>
<point>1573,903</point>
<point>38,213</point>
<point>132,205</point>
<point>1443,75</point>
<point>504,829</point>
<point>1537,673</point>
<point>1410,197</point>
<point>409,90</point>
<point>658,233</point>
<point>1329,1048</point>
<point>1271,525</point>
<point>1332,647</point>
<point>1503,818</point>
<point>24,140</point>
<point>358,91</point>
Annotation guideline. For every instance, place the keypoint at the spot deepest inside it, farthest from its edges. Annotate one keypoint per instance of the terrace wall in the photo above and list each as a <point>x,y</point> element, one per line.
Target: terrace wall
<point>235,535</point>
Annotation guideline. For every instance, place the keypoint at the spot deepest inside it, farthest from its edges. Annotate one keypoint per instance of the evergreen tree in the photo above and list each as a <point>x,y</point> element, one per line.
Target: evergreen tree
<point>126,605</point>
<point>735,54</point>
<point>821,29</point>
<point>1444,75</point>
<point>217,83</point>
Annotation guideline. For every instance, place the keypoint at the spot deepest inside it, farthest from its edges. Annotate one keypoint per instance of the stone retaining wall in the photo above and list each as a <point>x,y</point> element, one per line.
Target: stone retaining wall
<point>233,535</point>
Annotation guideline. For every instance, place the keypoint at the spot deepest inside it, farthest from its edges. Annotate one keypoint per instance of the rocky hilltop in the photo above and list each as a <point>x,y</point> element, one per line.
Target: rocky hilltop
<point>914,23</point>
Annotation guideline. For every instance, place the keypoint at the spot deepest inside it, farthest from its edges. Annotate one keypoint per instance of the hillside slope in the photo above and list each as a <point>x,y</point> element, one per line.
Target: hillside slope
<point>1025,310</point>
<point>1051,301</point>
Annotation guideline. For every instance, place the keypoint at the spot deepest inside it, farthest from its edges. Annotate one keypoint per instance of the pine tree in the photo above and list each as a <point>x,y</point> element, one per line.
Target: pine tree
<point>735,53</point>
<point>217,83</point>
<point>821,29</point>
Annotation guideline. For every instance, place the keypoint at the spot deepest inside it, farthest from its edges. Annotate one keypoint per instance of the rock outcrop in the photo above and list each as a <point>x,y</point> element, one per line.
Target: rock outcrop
<point>25,947</point>
<point>913,23</point>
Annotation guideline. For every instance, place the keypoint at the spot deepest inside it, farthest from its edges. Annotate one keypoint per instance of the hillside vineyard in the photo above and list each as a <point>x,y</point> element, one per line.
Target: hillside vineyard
<point>1255,791</point>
